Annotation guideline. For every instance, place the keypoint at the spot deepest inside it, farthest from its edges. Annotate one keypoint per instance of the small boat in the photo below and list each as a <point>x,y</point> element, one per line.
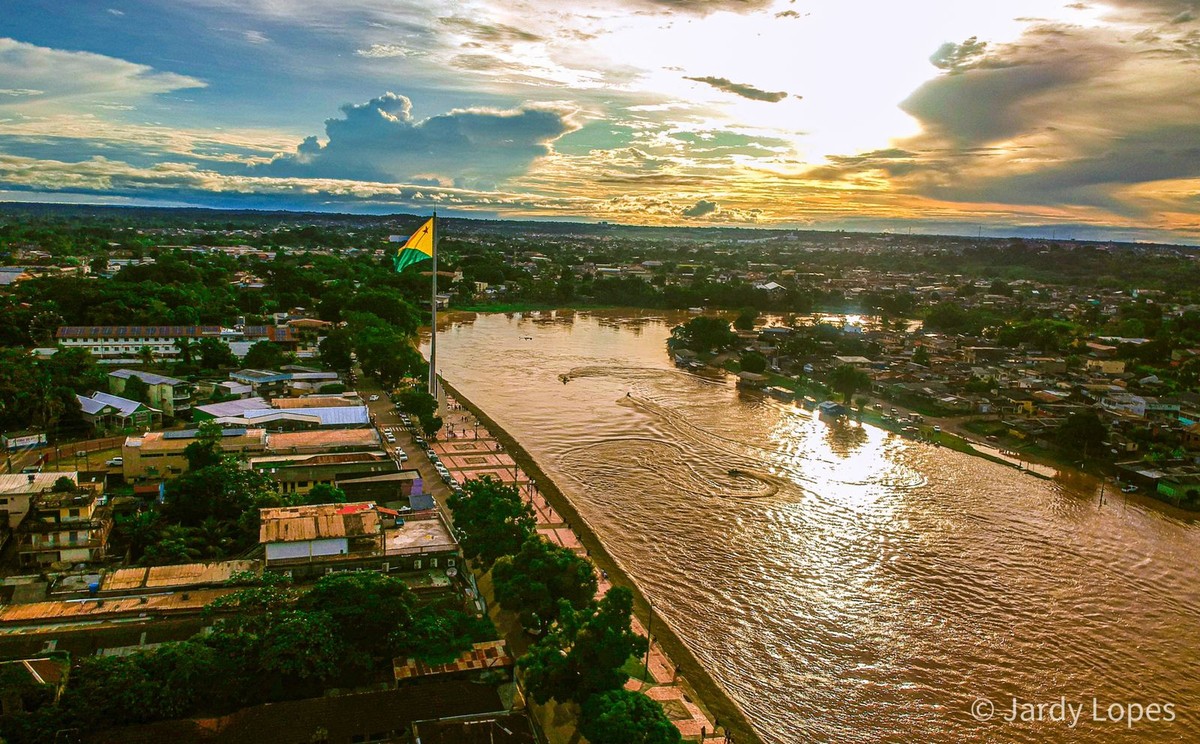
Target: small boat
<point>735,473</point>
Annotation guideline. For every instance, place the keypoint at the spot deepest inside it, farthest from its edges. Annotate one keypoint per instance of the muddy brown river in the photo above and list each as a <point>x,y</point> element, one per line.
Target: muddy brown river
<point>853,586</point>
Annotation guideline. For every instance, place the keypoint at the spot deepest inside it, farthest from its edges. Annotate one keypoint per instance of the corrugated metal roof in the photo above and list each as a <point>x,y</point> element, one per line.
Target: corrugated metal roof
<point>327,416</point>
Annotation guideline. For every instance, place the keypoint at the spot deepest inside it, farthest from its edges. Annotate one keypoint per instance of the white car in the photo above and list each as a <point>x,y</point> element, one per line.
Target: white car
<point>390,437</point>
<point>116,462</point>
<point>373,398</point>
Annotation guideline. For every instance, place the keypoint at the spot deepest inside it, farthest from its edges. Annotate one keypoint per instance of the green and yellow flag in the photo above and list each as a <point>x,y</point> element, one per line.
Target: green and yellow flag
<point>419,247</point>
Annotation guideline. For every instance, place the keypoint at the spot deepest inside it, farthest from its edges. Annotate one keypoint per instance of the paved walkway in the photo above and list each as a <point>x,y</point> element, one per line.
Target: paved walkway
<point>468,450</point>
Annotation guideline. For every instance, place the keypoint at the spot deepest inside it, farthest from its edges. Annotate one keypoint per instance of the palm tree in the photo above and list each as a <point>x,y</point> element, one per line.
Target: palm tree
<point>184,347</point>
<point>146,354</point>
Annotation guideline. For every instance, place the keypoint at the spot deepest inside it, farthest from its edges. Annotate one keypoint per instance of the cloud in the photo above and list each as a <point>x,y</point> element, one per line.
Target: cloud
<point>255,37</point>
<point>957,57</point>
<point>741,89</point>
<point>497,33</point>
<point>702,208</point>
<point>705,7</point>
<point>21,92</point>
<point>383,51</point>
<point>70,80</point>
<point>381,141</point>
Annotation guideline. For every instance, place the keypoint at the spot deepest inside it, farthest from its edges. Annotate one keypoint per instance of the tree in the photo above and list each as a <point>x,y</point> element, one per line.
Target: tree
<point>264,355</point>
<point>63,484</point>
<point>535,580</point>
<point>752,361</point>
<point>584,653</point>
<point>745,319</point>
<point>369,608</point>
<point>423,406</point>
<point>323,493</point>
<point>492,519</point>
<point>848,380</point>
<point>335,349</point>
<point>921,356</point>
<point>184,347</point>
<point>206,449</point>
<point>703,334</point>
<point>301,644</point>
<point>136,389</point>
<point>626,717</point>
<point>1081,434</point>
<point>146,355</point>
<point>440,632</point>
<point>215,354</point>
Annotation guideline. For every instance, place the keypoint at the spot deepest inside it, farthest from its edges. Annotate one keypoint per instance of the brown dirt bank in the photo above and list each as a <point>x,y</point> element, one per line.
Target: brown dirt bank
<point>704,690</point>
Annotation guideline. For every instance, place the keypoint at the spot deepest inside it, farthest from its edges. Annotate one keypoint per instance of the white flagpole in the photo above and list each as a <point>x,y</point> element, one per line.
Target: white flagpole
<point>433,323</point>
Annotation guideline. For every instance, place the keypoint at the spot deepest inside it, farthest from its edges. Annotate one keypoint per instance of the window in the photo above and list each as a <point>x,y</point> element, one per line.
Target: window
<point>433,562</point>
<point>73,513</point>
<point>417,564</point>
<point>451,562</point>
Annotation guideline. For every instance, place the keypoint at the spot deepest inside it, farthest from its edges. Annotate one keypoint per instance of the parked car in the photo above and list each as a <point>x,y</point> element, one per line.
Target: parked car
<point>116,462</point>
<point>1129,488</point>
<point>373,398</point>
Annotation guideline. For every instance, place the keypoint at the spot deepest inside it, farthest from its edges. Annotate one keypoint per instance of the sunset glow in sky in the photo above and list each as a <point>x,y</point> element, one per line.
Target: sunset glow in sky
<point>1015,117</point>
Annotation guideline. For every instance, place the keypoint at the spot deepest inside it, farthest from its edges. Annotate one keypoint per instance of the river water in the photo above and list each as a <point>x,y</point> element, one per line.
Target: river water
<point>853,586</point>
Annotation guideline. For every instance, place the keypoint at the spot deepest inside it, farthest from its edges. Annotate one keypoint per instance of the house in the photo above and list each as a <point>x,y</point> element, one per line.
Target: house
<point>314,539</point>
<point>157,455</point>
<point>107,411</point>
<point>167,394</point>
<point>1106,366</point>
<point>1191,437</point>
<point>300,473</point>
<point>333,417</point>
<point>17,492</point>
<point>226,409</point>
<point>64,527</point>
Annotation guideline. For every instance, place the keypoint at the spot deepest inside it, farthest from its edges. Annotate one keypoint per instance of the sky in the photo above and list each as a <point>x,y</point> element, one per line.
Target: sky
<point>1073,120</point>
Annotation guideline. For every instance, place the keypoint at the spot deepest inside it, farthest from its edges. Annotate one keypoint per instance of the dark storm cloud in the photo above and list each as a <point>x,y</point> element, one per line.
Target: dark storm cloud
<point>741,89</point>
<point>381,141</point>
<point>702,208</point>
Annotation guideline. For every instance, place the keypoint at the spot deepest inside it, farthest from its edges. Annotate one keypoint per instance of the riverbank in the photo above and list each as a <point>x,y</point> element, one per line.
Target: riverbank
<point>701,688</point>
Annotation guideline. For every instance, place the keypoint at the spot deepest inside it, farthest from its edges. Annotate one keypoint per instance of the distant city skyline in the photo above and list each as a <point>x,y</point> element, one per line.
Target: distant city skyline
<point>1019,118</point>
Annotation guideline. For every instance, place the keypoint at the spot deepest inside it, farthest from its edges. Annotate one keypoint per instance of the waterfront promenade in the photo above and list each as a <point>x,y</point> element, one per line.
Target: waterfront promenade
<point>469,450</point>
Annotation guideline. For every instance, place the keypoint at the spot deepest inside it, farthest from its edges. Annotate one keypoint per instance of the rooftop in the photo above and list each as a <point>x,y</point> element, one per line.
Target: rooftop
<point>318,522</point>
<point>18,483</point>
<point>147,377</point>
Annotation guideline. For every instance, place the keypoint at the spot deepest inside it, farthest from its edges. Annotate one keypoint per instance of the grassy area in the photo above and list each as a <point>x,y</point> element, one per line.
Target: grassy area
<point>636,667</point>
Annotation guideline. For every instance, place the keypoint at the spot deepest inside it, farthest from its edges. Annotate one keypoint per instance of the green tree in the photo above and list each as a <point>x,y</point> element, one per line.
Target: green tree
<point>440,632</point>
<point>184,347</point>
<point>368,607</point>
<point>335,349</point>
<point>626,717</point>
<point>205,450</point>
<point>492,519</point>
<point>324,493</point>
<point>848,380</point>
<point>752,361</point>
<point>746,319</point>
<point>63,484</point>
<point>584,653</point>
<point>301,644</point>
<point>703,334</point>
<point>921,356</point>
<point>146,355</point>
<point>419,403</point>
<point>535,580</point>
<point>136,389</point>
<point>264,355</point>
<point>215,354</point>
<point>1081,434</point>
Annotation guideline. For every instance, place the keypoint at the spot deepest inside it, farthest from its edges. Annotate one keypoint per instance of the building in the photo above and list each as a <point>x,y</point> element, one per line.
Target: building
<point>314,539</point>
<point>169,395</point>
<point>300,473</point>
<point>64,527</point>
<point>17,492</point>
<point>323,441</point>
<point>226,409</point>
<point>158,455</point>
<point>334,417</point>
<point>106,411</point>
<point>273,384</point>
<point>118,344</point>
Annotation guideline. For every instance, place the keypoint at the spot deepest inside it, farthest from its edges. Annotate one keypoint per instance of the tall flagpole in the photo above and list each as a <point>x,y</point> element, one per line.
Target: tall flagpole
<point>433,325</point>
